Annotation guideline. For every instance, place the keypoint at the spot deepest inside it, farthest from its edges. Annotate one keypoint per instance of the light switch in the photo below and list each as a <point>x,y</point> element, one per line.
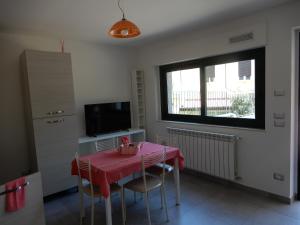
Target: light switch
<point>278,115</point>
<point>279,93</point>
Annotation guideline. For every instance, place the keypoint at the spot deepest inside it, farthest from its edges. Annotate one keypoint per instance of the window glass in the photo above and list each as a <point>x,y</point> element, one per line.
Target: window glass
<point>184,92</point>
<point>230,90</point>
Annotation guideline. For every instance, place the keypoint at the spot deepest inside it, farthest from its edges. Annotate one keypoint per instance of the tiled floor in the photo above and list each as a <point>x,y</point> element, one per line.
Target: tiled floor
<point>203,203</point>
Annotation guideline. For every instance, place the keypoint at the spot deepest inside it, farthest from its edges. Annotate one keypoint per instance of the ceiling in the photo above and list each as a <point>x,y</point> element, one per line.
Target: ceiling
<point>90,20</point>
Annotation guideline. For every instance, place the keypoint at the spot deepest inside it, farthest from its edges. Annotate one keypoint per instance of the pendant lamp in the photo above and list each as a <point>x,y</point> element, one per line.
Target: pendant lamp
<point>124,28</point>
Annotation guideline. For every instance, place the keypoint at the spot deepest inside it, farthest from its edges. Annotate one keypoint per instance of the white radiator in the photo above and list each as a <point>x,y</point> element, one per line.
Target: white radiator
<point>210,153</point>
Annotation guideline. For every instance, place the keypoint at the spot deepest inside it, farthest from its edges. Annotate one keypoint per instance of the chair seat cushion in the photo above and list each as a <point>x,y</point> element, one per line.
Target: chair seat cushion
<point>87,190</point>
<point>157,169</point>
<point>137,184</point>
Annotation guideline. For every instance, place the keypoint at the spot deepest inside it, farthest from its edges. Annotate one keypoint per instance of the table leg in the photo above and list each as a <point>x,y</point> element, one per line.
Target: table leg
<point>177,181</point>
<point>134,193</point>
<point>108,210</point>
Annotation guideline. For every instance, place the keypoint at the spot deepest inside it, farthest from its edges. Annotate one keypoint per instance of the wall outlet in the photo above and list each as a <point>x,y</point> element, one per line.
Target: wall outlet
<point>278,176</point>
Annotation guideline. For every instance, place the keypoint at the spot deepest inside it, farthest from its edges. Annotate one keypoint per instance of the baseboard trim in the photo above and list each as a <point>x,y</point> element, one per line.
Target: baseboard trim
<point>238,185</point>
<point>60,194</point>
<point>218,180</point>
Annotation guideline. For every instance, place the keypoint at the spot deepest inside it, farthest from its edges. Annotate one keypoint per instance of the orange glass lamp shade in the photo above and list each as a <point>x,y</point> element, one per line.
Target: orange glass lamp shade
<point>124,29</point>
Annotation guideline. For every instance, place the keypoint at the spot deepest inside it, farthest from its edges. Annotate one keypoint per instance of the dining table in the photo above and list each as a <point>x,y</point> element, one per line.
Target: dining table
<point>110,166</point>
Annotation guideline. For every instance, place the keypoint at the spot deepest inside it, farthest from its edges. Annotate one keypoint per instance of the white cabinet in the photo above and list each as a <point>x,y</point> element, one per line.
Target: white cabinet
<point>56,143</point>
<point>55,130</point>
<point>52,123</point>
<point>33,211</point>
<point>138,99</point>
<point>50,83</point>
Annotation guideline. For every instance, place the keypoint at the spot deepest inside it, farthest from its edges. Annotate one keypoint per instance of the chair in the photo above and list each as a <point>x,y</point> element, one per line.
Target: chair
<point>97,146</point>
<point>156,170</point>
<point>147,183</point>
<point>86,187</point>
<point>105,144</point>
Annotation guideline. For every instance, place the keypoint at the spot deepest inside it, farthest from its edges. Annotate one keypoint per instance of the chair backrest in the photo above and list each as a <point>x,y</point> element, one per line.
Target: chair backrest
<point>84,167</point>
<point>106,144</point>
<point>152,159</point>
<point>97,146</point>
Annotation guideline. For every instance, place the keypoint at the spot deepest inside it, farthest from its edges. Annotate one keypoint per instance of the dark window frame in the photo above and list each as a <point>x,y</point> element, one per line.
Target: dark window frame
<point>257,54</point>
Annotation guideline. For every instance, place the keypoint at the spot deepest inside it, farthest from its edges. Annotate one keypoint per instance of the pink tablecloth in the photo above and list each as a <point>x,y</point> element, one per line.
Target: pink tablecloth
<point>109,166</point>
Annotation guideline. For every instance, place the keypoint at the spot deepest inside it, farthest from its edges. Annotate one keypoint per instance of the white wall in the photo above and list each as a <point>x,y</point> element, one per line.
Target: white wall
<point>260,152</point>
<point>101,73</point>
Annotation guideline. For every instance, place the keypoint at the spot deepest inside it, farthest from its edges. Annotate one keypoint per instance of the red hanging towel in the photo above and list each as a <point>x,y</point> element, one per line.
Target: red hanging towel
<point>15,199</point>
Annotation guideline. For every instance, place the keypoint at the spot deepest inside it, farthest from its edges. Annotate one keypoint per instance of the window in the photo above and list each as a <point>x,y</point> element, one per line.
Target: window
<point>223,90</point>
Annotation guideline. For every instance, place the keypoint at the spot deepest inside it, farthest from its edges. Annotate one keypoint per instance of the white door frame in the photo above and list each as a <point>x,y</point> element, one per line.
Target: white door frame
<point>294,110</point>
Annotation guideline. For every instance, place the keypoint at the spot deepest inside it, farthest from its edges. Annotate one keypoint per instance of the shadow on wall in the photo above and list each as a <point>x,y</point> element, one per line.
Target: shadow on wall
<point>14,150</point>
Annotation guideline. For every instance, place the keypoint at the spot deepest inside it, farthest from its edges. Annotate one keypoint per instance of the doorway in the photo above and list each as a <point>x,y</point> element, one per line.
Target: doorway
<point>297,66</point>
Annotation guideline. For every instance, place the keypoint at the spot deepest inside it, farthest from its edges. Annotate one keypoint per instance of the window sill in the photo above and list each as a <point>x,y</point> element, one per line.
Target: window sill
<point>211,125</point>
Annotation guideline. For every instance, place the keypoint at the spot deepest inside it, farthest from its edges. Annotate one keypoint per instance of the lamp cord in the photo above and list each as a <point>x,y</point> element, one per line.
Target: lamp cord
<point>121,9</point>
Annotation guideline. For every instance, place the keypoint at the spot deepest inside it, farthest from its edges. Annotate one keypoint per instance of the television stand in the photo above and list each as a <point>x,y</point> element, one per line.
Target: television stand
<point>107,141</point>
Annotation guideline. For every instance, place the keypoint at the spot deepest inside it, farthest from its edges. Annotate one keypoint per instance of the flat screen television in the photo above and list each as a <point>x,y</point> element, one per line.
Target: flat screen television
<point>107,117</point>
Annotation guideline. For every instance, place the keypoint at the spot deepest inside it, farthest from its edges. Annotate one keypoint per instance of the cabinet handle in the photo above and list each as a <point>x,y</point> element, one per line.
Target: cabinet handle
<point>55,112</point>
<point>55,121</point>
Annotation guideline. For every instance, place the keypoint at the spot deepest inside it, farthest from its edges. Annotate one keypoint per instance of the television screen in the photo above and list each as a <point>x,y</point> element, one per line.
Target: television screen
<point>107,117</point>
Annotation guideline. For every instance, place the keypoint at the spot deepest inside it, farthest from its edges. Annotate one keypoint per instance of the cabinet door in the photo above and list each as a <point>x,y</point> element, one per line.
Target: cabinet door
<point>33,212</point>
<point>50,83</point>
<point>56,141</point>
